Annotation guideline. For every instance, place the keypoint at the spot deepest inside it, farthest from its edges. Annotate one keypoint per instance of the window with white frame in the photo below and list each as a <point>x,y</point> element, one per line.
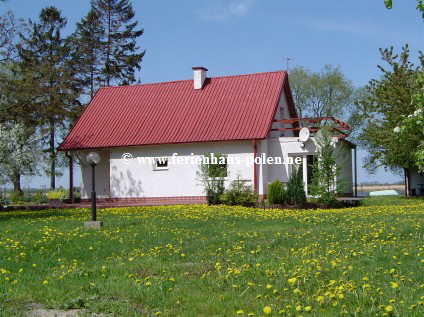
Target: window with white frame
<point>161,164</point>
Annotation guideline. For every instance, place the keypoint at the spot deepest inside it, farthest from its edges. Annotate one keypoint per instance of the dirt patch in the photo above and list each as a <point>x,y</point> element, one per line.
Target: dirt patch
<point>38,311</point>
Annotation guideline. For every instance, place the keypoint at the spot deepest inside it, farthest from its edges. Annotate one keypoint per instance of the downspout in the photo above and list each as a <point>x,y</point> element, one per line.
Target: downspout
<point>255,150</point>
<point>71,177</point>
<point>356,172</point>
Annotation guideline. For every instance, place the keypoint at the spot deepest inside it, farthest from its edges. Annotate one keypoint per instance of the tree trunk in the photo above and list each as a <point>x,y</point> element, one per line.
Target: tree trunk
<point>407,183</point>
<point>17,183</point>
<point>109,27</point>
<point>52,158</point>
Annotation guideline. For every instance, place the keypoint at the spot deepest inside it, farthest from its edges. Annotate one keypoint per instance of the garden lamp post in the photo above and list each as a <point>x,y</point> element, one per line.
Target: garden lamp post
<point>93,158</point>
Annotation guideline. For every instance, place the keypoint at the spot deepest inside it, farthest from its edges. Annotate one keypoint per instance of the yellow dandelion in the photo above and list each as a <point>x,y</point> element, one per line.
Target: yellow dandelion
<point>267,310</point>
<point>292,280</point>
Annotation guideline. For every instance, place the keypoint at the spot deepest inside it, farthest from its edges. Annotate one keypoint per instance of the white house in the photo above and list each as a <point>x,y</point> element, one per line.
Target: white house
<point>151,136</point>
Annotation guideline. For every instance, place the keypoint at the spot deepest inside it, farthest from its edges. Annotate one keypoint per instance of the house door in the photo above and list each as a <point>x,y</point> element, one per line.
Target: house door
<point>304,168</point>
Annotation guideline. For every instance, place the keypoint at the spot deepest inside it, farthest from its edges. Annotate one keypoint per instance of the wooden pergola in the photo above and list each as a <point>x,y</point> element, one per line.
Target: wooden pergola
<point>339,126</point>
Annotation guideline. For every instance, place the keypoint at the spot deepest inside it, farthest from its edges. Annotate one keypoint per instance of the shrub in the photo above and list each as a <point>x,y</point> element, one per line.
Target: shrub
<point>211,175</point>
<point>16,197</point>
<point>240,194</point>
<point>295,189</point>
<point>276,193</point>
<point>4,201</point>
<point>56,194</point>
<point>40,198</point>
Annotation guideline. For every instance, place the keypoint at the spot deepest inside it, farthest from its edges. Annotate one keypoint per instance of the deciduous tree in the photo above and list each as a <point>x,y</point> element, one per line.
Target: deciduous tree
<point>324,94</point>
<point>20,153</point>
<point>390,98</point>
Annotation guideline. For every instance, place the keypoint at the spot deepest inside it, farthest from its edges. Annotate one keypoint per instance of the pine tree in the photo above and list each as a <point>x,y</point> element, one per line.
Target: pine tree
<point>46,66</point>
<point>326,181</point>
<point>121,50</point>
<point>89,50</point>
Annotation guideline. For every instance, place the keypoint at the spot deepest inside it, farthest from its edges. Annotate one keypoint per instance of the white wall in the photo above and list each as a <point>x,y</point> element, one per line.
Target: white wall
<point>290,146</point>
<point>115,179</point>
<point>281,113</point>
<point>102,175</point>
<point>141,180</point>
<point>415,179</point>
<point>285,147</point>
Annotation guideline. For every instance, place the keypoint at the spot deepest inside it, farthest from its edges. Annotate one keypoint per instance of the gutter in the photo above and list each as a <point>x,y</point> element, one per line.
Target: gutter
<point>71,177</point>
<point>255,176</point>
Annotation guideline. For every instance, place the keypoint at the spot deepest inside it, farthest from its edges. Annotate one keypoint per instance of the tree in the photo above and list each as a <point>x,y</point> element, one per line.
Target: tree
<point>210,174</point>
<point>47,68</point>
<point>420,5</point>
<point>276,193</point>
<point>120,37</point>
<point>324,94</point>
<point>412,126</point>
<point>326,182</point>
<point>389,99</point>
<point>295,189</point>
<point>19,154</point>
<point>89,51</point>
<point>10,27</point>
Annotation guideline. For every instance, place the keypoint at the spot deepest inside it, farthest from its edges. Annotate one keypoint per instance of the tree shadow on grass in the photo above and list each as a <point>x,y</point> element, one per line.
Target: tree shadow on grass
<point>39,214</point>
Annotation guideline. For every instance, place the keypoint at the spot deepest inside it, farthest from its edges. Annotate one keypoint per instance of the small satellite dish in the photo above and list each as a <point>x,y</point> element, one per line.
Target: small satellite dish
<point>304,135</point>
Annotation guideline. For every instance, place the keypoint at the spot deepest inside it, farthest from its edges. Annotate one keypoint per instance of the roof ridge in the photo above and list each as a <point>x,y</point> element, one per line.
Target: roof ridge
<point>185,80</point>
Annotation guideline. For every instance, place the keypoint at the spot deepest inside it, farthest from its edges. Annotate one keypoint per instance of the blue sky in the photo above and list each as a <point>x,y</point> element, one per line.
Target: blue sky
<point>246,36</point>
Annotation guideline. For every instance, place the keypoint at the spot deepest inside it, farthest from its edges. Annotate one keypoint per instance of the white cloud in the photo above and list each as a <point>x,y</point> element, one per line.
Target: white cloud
<point>226,12</point>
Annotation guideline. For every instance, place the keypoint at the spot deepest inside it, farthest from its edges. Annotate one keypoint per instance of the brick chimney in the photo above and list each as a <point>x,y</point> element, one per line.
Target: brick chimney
<point>199,77</point>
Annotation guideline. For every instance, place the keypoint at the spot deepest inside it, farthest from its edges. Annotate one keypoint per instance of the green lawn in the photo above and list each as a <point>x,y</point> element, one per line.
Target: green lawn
<point>217,261</point>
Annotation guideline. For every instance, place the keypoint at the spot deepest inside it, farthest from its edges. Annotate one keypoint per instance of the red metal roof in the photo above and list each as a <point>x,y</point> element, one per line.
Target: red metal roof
<point>226,108</point>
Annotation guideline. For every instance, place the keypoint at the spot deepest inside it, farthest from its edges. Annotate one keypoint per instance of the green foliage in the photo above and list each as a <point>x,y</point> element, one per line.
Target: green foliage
<point>4,201</point>
<point>325,93</point>
<point>295,189</point>
<point>240,194</point>
<point>16,197</point>
<point>211,173</point>
<point>388,4</point>
<point>420,6</point>
<point>119,38</point>
<point>412,126</point>
<point>40,198</point>
<point>390,98</point>
<point>276,193</point>
<point>66,194</point>
<point>20,153</point>
<point>56,194</point>
<point>48,72</point>
<point>326,182</point>
<point>88,55</point>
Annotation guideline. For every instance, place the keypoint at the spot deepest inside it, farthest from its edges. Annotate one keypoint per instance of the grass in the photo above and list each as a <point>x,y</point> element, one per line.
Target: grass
<point>217,261</point>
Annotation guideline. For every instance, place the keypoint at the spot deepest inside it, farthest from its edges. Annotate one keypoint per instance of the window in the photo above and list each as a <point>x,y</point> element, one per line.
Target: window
<point>161,163</point>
